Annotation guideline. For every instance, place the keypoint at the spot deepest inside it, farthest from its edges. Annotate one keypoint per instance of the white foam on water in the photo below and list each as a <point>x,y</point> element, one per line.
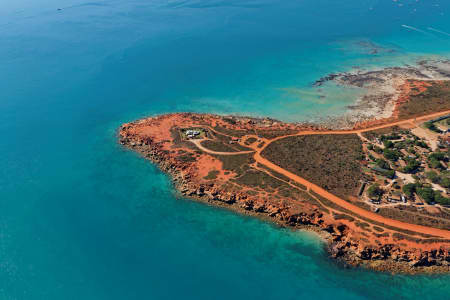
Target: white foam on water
<point>438,31</point>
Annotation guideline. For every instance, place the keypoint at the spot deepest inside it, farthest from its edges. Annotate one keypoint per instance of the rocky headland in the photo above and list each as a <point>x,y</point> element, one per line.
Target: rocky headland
<point>219,168</point>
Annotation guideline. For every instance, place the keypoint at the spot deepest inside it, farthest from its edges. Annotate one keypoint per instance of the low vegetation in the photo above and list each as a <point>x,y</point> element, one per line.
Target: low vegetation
<point>414,218</point>
<point>212,175</point>
<point>374,191</point>
<point>435,98</point>
<point>330,161</point>
<point>217,146</point>
<point>236,163</point>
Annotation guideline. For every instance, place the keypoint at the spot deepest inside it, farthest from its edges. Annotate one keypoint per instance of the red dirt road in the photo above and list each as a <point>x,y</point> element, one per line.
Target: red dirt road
<point>347,205</point>
<point>339,201</point>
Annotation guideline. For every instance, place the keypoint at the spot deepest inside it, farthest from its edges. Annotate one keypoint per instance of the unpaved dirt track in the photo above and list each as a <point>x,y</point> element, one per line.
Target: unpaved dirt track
<point>347,205</point>
<point>315,188</point>
<point>341,202</point>
<point>198,143</point>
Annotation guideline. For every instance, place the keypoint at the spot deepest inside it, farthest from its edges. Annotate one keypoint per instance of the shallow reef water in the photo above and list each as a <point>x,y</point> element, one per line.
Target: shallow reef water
<point>83,218</point>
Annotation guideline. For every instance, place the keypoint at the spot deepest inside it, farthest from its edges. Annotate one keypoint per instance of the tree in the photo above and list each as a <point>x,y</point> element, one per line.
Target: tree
<point>374,191</point>
<point>434,163</point>
<point>438,198</point>
<point>388,144</point>
<point>409,189</point>
<point>382,164</point>
<point>431,126</point>
<point>421,144</point>
<point>445,182</point>
<point>412,150</point>
<point>426,193</point>
<point>390,174</point>
<point>400,145</point>
<point>377,149</point>
<point>411,166</point>
<point>437,156</point>
<point>390,154</point>
<point>433,176</point>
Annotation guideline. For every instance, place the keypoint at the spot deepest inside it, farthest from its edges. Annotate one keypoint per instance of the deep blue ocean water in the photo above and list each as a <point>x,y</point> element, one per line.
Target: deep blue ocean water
<point>82,218</point>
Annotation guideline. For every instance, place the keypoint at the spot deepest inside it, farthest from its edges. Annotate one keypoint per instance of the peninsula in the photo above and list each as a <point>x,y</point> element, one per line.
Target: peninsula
<point>376,192</point>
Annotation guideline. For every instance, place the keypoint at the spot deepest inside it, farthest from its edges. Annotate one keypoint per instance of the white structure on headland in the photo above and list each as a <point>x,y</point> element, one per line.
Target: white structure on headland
<point>192,133</point>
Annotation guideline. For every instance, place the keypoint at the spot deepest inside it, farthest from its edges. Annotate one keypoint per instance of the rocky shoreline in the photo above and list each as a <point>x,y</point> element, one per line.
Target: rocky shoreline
<point>341,244</point>
<point>382,89</point>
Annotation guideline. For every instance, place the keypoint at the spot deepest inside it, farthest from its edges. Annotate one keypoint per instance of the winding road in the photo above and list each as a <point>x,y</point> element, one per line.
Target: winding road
<point>322,192</point>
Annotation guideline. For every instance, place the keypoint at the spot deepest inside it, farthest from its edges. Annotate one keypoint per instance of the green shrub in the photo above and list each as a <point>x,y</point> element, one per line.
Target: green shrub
<point>431,196</point>
<point>434,163</point>
<point>438,198</point>
<point>409,189</point>
<point>426,193</point>
<point>390,174</point>
<point>437,156</point>
<point>432,127</point>
<point>445,182</point>
<point>388,144</point>
<point>382,164</point>
<point>421,144</point>
<point>433,176</point>
<point>374,191</point>
<point>391,154</point>
<point>411,166</point>
<point>377,149</point>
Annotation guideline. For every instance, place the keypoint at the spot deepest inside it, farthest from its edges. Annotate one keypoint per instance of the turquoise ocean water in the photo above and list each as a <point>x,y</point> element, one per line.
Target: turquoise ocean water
<point>81,218</point>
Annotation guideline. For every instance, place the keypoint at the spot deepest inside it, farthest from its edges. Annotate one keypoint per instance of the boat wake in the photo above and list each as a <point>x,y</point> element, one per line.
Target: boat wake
<point>438,31</point>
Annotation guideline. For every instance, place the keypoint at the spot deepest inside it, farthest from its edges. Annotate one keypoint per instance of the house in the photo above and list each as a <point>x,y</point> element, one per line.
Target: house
<point>394,199</point>
<point>192,133</point>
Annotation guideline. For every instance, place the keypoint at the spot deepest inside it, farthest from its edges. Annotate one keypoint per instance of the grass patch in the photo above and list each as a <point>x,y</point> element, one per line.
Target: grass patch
<point>255,178</point>
<point>413,218</point>
<point>250,141</point>
<point>270,134</point>
<point>212,175</point>
<point>282,177</point>
<point>365,226</point>
<point>187,157</point>
<point>231,132</point>
<point>379,229</point>
<point>217,146</point>
<point>236,163</point>
<point>343,217</point>
<point>371,135</point>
